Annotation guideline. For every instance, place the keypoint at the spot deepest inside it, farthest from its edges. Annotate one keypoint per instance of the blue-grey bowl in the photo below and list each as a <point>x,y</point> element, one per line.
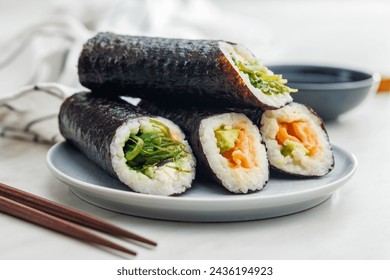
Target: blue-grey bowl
<point>330,91</point>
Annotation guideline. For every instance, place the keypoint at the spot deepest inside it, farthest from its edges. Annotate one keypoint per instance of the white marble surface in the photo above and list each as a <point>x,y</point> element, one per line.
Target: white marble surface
<point>352,224</point>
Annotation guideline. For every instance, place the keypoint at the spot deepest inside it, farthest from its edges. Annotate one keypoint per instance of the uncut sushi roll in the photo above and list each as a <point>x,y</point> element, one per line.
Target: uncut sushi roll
<point>296,140</point>
<point>228,146</point>
<point>196,72</point>
<point>148,154</point>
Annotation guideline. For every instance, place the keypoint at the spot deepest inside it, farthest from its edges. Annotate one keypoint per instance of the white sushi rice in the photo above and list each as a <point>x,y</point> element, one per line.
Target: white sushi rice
<point>239,179</point>
<point>243,54</point>
<point>164,180</point>
<point>300,163</point>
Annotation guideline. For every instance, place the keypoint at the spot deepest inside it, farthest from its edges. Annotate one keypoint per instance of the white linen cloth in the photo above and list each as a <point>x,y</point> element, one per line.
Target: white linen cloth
<point>42,53</point>
<point>38,67</point>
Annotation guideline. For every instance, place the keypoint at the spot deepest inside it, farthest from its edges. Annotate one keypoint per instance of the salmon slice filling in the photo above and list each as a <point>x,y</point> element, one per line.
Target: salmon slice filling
<point>297,132</point>
<point>241,154</point>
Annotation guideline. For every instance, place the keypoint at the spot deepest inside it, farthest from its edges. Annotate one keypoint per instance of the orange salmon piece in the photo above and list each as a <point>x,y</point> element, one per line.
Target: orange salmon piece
<point>241,155</point>
<point>300,132</point>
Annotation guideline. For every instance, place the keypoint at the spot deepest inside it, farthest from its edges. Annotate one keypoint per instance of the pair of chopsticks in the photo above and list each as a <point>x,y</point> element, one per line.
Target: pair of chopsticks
<point>63,219</point>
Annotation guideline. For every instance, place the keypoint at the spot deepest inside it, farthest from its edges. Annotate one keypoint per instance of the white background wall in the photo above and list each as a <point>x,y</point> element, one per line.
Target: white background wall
<point>345,32</point>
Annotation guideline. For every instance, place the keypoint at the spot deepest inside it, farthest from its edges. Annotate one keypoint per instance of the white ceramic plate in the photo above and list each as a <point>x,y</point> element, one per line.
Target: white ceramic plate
<point>205,201</point>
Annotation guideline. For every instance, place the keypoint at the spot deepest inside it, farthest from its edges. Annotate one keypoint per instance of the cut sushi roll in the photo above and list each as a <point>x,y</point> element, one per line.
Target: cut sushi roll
<point>296,140</point>
<point>196,72</point>
<point>148,154</point>
<point>228,146</point>
<point>269,89</point>
<point>232,148</point>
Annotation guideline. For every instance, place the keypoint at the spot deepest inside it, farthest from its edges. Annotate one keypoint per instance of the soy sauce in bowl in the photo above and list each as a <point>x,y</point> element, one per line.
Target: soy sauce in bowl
<point>330,91</point>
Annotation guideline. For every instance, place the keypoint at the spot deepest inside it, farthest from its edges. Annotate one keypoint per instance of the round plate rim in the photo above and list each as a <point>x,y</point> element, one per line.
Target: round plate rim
<point>129,195</point>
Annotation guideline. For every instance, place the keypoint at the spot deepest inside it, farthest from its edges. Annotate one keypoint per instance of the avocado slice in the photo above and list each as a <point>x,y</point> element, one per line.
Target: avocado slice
<point>226,137</point>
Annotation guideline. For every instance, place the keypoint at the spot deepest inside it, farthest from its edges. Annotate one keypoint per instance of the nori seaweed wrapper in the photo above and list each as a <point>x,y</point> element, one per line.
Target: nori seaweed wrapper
<point>254,114</point>
<point>178,70</point>
<point>89,122</point>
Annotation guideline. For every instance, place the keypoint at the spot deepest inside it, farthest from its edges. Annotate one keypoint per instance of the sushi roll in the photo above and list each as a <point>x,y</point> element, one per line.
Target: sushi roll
<point>148,154</point>
<point>196,72</point>
<point>296,140</point>
<point>228,146</point>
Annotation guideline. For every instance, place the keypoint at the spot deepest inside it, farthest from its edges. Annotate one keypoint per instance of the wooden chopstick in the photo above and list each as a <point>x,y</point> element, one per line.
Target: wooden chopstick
<point>68,213</point>
<point>384,86</point>
<point>54,223</point>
